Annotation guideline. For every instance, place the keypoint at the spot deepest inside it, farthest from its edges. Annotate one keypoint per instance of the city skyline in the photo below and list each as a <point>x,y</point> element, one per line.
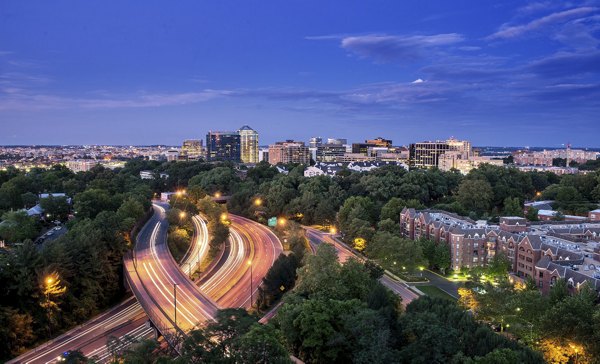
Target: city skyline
<point>509,74</point>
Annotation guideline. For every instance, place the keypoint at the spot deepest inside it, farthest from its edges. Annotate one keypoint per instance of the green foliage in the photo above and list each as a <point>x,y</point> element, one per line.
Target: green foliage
<point>85,263</point>
<point>280,278</point>
<point>475,195</point>
<point>532,214</point>
<point>16,227</point>
<point>512,207</point>
<point>437,331</point>
<point>393,252</point>
<point>219,179</point>
<point>57,207</point>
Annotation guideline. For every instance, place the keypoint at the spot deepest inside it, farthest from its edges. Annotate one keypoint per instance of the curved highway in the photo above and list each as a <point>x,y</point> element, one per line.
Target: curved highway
<point>262,247</point>
<point>228,285</point>
<point>169,297</point>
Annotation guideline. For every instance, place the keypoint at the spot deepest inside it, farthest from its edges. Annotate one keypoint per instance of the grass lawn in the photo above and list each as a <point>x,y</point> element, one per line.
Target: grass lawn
<point>433,291</point>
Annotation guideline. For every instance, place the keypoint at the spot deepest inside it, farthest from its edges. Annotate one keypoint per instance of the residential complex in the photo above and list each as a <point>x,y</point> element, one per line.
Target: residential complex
<point>543,252</point>
<point>289,152</point>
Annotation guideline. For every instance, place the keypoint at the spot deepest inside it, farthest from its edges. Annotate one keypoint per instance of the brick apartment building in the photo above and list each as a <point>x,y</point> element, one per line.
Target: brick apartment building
<point>543,252</point>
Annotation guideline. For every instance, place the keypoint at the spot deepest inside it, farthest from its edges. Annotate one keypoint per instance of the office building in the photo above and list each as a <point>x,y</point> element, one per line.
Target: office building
<point>456,160</point>
<point>330,152</point>
<point>263,154</point>
<point>314,142</point>
<point>289,152</point>
<point>223,146</point>
<point>427,154</point>
<point>192,149</point>
<point>248,144</point>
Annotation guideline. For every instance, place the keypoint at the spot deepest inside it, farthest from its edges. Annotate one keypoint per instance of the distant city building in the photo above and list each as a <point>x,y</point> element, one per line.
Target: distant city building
<point>331,169</point>
<point>546,157</point>
<point>263,154</point>
<point>314,142</point>
<point>151,175</point>
<point>81,165</point>
<point>380,142</point>
<point>248,144</point>
<point>223,146</point>
<point>192,149</point>
<point>363,148</point>
<point>338,141</point>
<point>289,152</point>
<point>330,152</point>
<point>172,155</point>
<point>427,154</point>
<point>456,160</point>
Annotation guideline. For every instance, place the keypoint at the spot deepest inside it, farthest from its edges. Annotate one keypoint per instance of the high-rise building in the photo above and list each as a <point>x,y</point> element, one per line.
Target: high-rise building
<point>363,148</point>
<point>380,142</point>
<point>289,152</point>
<point>339,141</point>
<point>192,149</point>
<point>330,152</point>
<point>263,154</point>
<point>223,146</point>
<point>314,142</point>
<point>248,144</point>
<point>427,154</point>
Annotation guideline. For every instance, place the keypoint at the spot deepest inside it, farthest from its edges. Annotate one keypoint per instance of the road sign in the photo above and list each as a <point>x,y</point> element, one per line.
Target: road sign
<point>272,222</point>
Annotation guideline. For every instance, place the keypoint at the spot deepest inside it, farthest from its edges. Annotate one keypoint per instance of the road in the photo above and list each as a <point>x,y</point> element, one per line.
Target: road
<point>93,335</point>
<point>317,237</point>
<point>250,242</point>
<point>169,297</point>
<point>230,285</point>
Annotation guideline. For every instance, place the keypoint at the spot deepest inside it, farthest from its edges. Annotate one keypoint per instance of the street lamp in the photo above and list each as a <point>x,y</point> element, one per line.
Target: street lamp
<point>218,194</point>
<point>251,297</point>
<point>258,202</point>
<point>181,214</point>
<point>333,230</point>
<point>281,221</point>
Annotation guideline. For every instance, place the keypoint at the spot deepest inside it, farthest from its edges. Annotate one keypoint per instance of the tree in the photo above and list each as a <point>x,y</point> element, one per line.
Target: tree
<point>17,227</point>
<point>512,207</point>
<point>391,210</point>
<point>261,345</point>
<point>57,207</point>
<point>16,332</point>
<point>499,266</point>
<point>475,195</point>
<point>219,179</point>
<point>532,214</point>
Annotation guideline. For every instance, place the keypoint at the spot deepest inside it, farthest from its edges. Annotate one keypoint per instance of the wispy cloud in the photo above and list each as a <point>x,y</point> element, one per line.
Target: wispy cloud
<point>514,31</point>
<point>25,101</point>
<point>386,48</point>
<point>566,64</point>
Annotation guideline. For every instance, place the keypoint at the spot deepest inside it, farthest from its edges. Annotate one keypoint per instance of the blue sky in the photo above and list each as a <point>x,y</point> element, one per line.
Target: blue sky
<point>506,73</point>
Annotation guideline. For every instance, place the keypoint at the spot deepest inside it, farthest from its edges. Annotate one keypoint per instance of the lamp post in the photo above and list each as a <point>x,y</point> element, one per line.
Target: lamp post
<point>251,296</point>
<point>175,301</point>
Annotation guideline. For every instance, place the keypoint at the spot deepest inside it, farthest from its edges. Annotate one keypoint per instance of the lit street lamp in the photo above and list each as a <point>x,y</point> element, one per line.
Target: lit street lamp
<point>258,202</point>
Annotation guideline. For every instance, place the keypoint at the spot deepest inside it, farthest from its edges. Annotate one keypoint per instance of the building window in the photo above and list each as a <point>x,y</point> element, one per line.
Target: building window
<point>541,274</point>
<point>541,284</point>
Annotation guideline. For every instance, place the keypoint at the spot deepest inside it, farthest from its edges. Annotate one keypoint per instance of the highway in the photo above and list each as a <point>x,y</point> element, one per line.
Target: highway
<point>228,285</point>
<point>169,297</point>
<point>249,242</point>
<point>317,237</point>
